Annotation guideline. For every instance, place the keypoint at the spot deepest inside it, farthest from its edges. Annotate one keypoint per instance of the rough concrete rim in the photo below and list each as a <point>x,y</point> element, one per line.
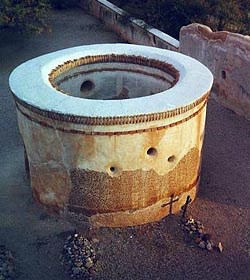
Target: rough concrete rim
<point>31,77</point>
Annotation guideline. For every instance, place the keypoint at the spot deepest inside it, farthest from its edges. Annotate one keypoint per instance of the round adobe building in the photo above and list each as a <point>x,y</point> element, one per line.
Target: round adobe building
<point>113,132</point>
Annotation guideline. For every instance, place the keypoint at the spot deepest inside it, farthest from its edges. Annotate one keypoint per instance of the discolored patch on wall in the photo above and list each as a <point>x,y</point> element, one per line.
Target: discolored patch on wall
<point>50,186</point>
<point>95,192</point>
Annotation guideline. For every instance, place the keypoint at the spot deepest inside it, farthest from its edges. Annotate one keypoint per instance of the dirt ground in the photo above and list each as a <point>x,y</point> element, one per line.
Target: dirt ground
<point>154,251</point>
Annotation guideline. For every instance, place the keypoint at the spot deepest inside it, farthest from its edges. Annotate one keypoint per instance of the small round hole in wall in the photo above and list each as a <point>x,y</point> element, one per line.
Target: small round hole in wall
<point>151,151</point>
<point>223,74</point>
<point>87,86</point>
<point>171,158</point>
<point>112,169</point>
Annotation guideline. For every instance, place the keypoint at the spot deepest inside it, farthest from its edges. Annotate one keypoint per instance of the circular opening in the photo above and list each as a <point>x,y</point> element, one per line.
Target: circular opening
<point>112,169</point>
<point>115,76</point>
<point>151,151</point>
<point>171,158</point>
<point>87,86</point>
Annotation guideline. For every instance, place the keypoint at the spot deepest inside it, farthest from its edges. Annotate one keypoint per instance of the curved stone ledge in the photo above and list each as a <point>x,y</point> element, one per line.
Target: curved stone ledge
<point>183,96</point>
<point>118,162</point>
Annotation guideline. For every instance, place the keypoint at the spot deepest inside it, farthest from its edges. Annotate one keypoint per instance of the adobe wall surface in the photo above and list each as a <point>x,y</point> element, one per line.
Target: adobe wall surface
<point>227,55</point>
<point>130,29</point>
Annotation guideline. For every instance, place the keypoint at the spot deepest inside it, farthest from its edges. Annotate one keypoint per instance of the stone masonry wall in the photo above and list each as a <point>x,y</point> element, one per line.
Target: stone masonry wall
<point>227,55</point>
<point>133,30</point>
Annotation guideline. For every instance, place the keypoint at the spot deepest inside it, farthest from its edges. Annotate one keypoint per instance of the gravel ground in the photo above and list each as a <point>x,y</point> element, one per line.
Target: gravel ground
<point>154,251</point>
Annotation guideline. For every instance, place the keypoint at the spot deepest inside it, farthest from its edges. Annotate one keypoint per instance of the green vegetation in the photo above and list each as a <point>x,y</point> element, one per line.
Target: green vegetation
<point>167,15</point>
<point>24,15</point>
<point>171,15</point>
<point>29,15</point>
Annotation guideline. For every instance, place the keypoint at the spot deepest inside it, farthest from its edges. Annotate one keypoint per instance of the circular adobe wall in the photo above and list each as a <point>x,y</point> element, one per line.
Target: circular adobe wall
<point>113,132</point>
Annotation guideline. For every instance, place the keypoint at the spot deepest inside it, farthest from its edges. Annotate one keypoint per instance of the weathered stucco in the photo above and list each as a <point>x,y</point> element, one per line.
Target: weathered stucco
<point>227,55</point>
<point>116,170</point>
<point>112,178</point>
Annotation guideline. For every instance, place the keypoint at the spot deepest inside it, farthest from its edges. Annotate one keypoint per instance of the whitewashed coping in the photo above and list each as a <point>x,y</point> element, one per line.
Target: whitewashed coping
<point>111,6</point>
<point>29,82</point>
<point>165,37</point>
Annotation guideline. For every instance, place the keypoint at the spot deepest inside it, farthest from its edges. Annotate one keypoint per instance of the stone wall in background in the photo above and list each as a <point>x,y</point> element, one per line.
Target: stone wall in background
<point>133,30</point>
<point>227,55</point>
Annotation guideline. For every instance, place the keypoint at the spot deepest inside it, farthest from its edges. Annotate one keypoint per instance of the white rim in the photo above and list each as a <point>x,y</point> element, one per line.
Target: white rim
<point>29,82</point>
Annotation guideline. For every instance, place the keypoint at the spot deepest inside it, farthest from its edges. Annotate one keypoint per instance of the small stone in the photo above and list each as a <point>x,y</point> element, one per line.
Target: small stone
<point>187,228</point>
<point>69,250</point>
<point>89,263</point>
<point>200,231</point>
<point>95,240</point>
<point>206,237</point>
<point>69,238</point>
<point>191,221</point>
<point>202,245</point>
<point>220,247</point>
<point>193,228</point>
<point>209,246</point>
<point>197,240</point>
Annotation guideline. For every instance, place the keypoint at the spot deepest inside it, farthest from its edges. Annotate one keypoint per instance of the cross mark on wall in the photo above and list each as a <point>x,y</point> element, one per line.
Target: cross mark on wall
<point>170,203</point>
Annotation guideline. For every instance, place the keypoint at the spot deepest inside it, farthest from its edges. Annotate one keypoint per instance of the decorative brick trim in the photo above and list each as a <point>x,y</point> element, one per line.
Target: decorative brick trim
<point>119,120</point>
<point>109,58</point>
<point>75,131</point>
